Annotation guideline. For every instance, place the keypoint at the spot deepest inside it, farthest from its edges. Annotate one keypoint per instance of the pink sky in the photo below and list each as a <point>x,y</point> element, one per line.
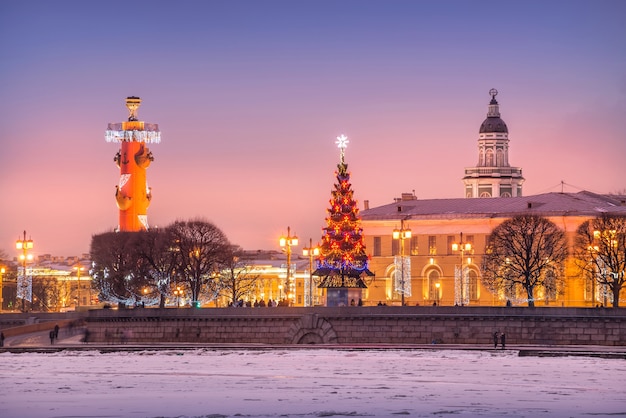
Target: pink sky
<point>250,96</point>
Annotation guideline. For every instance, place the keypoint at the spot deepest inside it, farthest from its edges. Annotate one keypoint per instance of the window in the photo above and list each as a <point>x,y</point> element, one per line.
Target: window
<point>449,244</point>
<point>432,245</point>
<point>484,190</point>
<point>395,246</point>
<point>473,285</point>
<point>413,245</point>
<point>489,158</point>
<point>433,290</point>
<point>550,285</point>
<point>500,158</point>
<point>377,247</point>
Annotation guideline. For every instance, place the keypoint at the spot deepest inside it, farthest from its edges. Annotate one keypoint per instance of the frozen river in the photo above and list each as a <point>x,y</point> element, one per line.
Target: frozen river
<point>309,383</point>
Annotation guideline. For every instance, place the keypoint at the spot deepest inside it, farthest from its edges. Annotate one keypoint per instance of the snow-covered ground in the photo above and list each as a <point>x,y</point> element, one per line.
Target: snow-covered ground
<point>308,383</point>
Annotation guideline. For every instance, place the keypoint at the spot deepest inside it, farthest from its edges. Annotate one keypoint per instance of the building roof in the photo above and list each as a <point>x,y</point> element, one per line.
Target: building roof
<point>493,124</point>
<point>548,204</point>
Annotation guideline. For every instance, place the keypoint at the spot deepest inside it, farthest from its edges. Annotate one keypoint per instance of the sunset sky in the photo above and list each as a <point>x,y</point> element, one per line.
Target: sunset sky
<point>250,96</point>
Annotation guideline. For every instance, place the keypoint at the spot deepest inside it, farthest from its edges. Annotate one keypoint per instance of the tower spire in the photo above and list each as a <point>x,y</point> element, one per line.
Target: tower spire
<point>493,176</point>
<point>494,109</point>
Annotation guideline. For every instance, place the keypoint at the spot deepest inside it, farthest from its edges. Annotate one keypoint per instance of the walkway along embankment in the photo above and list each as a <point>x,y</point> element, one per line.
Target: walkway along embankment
<point>360,325</point>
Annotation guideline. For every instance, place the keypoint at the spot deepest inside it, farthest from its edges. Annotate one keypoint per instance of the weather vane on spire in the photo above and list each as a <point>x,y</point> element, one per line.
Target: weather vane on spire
<point>342,143</point>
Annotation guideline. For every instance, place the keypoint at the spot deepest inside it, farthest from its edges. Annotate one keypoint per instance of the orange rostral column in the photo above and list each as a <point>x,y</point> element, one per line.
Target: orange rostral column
<point>132,193</point>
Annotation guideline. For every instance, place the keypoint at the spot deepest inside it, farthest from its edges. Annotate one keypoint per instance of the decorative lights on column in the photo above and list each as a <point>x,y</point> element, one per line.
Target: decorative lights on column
<point>78,270</point>
<point>311,252</point>
<point>2,271</point>
<point>286,243</point>
<point>460,275</point>
<point>403,263</point>
<point>24,285</point>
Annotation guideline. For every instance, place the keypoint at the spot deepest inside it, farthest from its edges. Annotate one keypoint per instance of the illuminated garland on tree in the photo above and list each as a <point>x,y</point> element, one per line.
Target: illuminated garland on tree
<point>342,261</point>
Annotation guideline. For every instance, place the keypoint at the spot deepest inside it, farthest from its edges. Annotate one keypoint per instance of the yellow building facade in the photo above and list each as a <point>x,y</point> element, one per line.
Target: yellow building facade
<point>438,268</point>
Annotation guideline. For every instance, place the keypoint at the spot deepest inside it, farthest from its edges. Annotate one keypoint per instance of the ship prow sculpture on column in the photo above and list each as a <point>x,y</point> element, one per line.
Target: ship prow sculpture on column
<point>132,193</point>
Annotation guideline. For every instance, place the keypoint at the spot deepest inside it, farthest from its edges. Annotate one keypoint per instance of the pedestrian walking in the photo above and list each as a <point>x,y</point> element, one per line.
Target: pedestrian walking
<point>495,339</point>
<point>1,339</point>
<point>56,331</point>
<point>51,336</point>
<point>502,340</point>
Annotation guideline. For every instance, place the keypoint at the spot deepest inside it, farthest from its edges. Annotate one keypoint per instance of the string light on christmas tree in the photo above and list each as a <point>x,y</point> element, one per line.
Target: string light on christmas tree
<point>343,262</point>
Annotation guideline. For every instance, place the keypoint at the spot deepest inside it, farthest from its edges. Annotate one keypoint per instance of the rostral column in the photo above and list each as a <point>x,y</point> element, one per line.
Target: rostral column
<point>132,192</point>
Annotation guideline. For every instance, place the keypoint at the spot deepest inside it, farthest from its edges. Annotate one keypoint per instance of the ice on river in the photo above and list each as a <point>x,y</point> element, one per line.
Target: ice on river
<point>308,383</point>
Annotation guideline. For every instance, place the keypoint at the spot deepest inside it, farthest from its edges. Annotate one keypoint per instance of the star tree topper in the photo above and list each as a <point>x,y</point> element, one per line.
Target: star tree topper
<point>342,143</point>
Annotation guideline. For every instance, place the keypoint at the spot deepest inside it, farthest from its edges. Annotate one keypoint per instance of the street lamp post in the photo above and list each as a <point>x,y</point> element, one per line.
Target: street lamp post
<point>286,243</point>
<point>311,252</point>
<point>437,286</point>
<point>402,234</point>
<point>24,245</point>
<point>462,247</point>
<point>177,293</point>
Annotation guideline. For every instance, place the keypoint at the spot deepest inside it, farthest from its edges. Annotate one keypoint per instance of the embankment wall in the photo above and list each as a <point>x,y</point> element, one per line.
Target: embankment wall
<point>361,325</point>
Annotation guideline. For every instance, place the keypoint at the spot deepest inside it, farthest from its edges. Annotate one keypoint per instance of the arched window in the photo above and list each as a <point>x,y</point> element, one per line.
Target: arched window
<point>550,285</point>
<point>434,291</point>
<point>500,158</point>
<point>489,158</point>
<point>473,285</point>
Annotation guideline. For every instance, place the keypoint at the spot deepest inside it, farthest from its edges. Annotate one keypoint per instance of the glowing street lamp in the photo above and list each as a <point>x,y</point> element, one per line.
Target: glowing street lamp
<point>402,234</point>
<point>178,293</point>
<point>311,252</point>
<point>462,247</point>
<point>24,245</point>
<point>286,243</point>
<point>437,286</point>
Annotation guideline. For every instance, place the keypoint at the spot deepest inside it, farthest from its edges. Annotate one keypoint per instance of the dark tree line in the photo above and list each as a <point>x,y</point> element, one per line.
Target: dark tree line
<point>194,256</point>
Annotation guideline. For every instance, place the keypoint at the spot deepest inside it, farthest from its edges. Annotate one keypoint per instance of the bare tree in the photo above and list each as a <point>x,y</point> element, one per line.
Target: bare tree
<point>237,276</point>
<point>114,267</point>
<point>600,253</point>
<point>202,249</point>
<point>46,294</point>
<point>161,257</point>
<point>525,252</point>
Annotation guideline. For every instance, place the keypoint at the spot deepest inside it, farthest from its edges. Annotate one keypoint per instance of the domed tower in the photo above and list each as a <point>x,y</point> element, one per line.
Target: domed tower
<point>132,193</point>
<point>493,176</point>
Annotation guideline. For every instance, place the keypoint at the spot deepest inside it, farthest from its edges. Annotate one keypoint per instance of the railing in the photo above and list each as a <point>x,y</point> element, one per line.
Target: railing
<point>152,127</point>
<point>490,171</point>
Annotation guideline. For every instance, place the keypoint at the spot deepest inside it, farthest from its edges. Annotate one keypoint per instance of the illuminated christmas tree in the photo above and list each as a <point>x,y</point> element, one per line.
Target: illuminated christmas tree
<point>342,264</point>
